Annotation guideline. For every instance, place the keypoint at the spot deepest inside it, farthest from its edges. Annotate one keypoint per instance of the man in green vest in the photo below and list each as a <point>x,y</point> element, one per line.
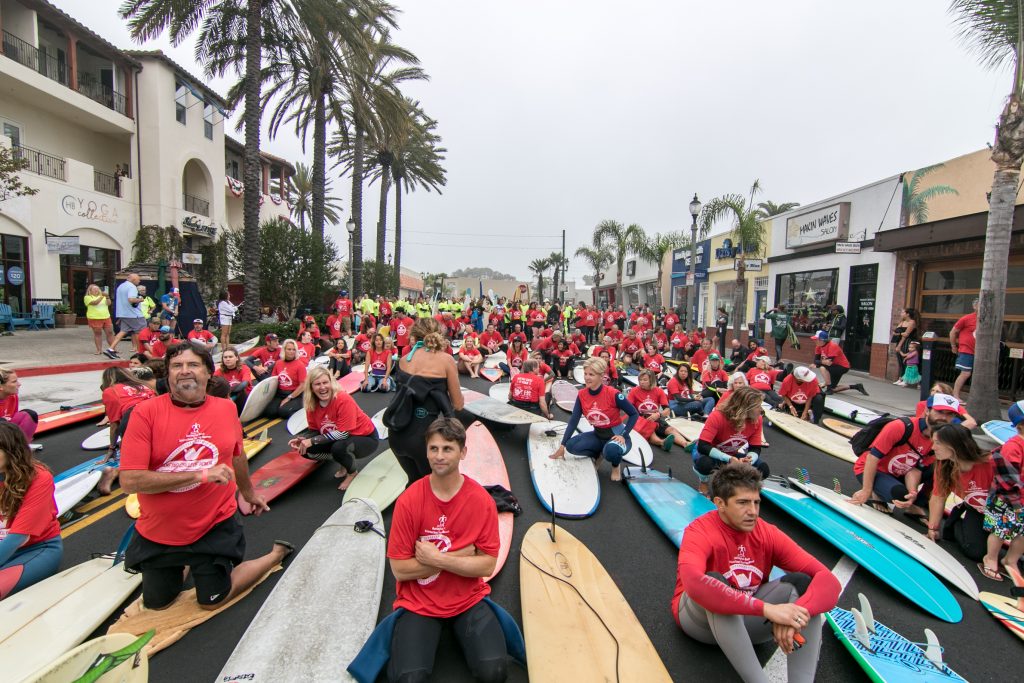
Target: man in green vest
<point>780,320</point>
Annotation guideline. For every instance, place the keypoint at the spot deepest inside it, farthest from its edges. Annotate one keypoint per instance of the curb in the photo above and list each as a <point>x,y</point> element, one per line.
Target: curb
<point>43,370</point>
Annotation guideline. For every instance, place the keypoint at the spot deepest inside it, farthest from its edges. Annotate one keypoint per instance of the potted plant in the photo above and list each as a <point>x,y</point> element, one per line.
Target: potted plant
<point>63,315</point>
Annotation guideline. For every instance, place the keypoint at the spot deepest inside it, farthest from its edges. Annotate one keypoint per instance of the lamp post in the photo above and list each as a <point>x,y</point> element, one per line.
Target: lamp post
<point>691,299</point>
<point>350,225</point>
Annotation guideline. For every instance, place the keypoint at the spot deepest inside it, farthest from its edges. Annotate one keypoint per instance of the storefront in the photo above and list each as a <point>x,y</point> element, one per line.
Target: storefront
<point>92,265</point>
<point>681,271</point>
<point>723,284</point>
<point>14,273</point>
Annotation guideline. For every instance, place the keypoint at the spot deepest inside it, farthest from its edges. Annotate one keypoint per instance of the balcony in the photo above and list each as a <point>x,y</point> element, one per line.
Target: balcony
<point>40,162</point>
<point>195,205</point>
<point>104,94</point>
<point>107,184</point>
<point>29,55</point>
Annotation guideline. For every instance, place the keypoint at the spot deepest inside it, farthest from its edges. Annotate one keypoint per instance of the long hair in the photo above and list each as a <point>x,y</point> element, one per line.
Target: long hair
<point>684,375</point>
<point>19,472</point>
<point>238,362</point>
<point>741,406</point>
<point>5,374</point>
<point>965,452</point>
<point>428,331</point>
<point>115,375</point>
<point>309,399</point>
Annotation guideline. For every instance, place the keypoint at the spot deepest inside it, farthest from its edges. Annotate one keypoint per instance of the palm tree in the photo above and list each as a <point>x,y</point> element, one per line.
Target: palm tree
<point>653,249</point>
<point>302,204</point>
<point>748,232</point>
<point>915,200</point>
<point>538,267</point>
<point>992,28</point>
<point>768,208</point>
<point>620,240</point>
<point>559,264</point>
<point>597,256</point>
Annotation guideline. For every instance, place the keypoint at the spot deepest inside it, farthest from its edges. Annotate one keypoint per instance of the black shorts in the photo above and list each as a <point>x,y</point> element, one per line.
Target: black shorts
<point>537,324</point>
<point>835,373</point>
<point>210,560</point>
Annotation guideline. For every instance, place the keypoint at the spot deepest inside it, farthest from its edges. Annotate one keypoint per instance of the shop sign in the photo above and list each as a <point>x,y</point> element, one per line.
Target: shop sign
<point>826,224</point>
<point>15,276</point>
<point>727,250</point>
<point>192,258</point>
<point>63,245</point>
<point>89,209</point>
<point>195,226</point>
<point>847,247</point>
<point>752,264</point>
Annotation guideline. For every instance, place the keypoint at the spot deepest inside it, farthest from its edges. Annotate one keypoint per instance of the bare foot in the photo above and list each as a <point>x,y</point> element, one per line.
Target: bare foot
<point>341,473</point>
<point>616,474</point>
<point>282,550</point>
<point>347,481</point>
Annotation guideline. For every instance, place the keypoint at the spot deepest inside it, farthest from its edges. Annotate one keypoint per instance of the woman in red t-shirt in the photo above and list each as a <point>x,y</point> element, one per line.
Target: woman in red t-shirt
<point>30,544</point>
<point>651,402</point>
<point>121,392</point>
<point>514,358</point>
<point>961,468</point>
<point>562,360</point>
<point>338,428</point>
<point>237,374</point>
<point>307,349</point>
<point>291,375</point>
<point>26,420</point>
<point>732,432</point>
<point>339,358</point>
<point>378,366</point>
<point>527,391</point>
<point>470,359</point>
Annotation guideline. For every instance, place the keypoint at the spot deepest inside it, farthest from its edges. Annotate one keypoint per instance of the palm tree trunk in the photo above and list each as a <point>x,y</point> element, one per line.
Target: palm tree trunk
<point>597,285</point>
<point>382,214</point>
<point>739,305</point>
<point>319,166</point>
<point>618,284</point>
<point>253,166</point>
<point>398,236</point>
<point>358,144</point>
<point>657,289</point>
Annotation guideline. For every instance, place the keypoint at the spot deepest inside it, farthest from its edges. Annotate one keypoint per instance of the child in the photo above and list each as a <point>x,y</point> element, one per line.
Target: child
<point>1004,510</point>
<point>911,376</point>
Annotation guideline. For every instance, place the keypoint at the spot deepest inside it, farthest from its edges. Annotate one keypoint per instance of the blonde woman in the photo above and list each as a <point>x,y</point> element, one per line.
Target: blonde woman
<point>97,312</point>
<point>338,430</point>
<point>470,358</point>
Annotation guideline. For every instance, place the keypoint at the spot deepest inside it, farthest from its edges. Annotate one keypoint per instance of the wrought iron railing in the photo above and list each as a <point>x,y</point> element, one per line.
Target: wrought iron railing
<point>40,162</point>
<point>29,55</point>
<point>107,184</point>
<point>104,94</point>
<point>196,205</point>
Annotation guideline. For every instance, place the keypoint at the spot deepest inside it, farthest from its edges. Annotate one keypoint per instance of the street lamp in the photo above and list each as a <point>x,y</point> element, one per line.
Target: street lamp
<point>350,225</point>
<point>692,277</point>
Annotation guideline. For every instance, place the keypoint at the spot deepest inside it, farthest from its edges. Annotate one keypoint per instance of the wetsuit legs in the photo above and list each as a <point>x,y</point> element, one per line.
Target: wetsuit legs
<point>345,451</point>
<point>30,565</point>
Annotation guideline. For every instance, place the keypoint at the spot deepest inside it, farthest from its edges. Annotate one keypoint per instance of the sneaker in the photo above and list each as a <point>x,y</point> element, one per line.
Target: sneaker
<point>861,389</point>
<point>111,353</point>
<point>900,383</point>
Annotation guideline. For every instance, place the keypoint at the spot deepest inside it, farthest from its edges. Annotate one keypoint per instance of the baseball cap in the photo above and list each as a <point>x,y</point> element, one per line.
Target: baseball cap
<point>165,328</point>
<point>1017,413</point>
<point>197,320</point>
<point>944,402</point>
<point>804,374</point>
<point>310,319</point>
<point>820,334</point>
<point>270,337</point>
<point>714,356</point>
<point>766,359</point>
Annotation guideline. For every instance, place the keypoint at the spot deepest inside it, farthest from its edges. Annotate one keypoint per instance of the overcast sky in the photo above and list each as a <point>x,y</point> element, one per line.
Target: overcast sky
<point>560,113</point>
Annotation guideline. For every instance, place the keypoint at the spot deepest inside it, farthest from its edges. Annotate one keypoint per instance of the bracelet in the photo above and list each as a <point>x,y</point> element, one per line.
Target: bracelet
<point>205,476</point>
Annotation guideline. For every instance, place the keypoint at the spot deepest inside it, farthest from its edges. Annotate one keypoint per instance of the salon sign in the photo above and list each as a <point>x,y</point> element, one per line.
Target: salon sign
<point>827,224</point>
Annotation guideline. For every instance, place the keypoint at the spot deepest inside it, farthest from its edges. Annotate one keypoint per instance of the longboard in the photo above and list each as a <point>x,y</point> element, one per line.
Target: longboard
<point>915,544</point>
<point>640,452</point>
<point>98,441</point>
<point>491,374</point>
<point>491,360</point>
<point>571,480</point>
<point>499,411</point>
<point>485,465</point>
<point>897,569</point>
<point>691,429</point>
<point>243,348</point>
<point>850,411</point>
<point>298,422</point>
<point>822,439</point>
<point>350,382</point>
<point>1006,611</point>
<point>69,492</point>
<point>672,504</point>
<point>1000,430</point>
<point>56,419</point>
<point>119,658</point>
<point>277,476</point>
<point>577,625</point>
<point>886,656</point>
<point>839,427</point>
<point>338,561</point>
<point>382,481</point>
<point>258,400</point>
<point>564,394</point>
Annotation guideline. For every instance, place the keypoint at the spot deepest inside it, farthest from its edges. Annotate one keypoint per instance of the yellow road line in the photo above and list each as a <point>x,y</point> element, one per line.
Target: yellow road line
<point>78,526</point>
<point>255,424</point>
<point>262,427</point>
<point>93,504</point>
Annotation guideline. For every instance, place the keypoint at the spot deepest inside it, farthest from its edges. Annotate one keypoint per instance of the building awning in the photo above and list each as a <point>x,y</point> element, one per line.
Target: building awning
<point>958,229</point>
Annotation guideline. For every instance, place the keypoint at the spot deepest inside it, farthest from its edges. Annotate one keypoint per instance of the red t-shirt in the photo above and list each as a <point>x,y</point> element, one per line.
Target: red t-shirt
<point>8,407</point>
<point>377,362</point>
<point>526,388</point>
<point>290,374</point>
<point>609,320</point>
<point>121,397</point>
<point>648,401</point>
<point>762,379</point>
<point>601,410</point>
<point>469,518</point>
<point>201,335</point>
<point>746,561</point>
<point>342,415</point>
<point>974,484</point>
<point>144,338</point>
<point>700,359</point>
<point>158,347</point>
<point>265,355</point>
<point>677,387</point>
<point>521,336</point>
<point>578,339</point>
<point>671,320</point>
<point>401,326</point>
<point>655,362</point>
<point>384,308</point>
<point>834,353</point>
<point>306,352</point>
<point>709,376</point>
<point>491,340</point>
<point>334,326</point>
<point>631,345</point>
<point>311,328</point>
<point>362,342</point>
<point>965,326</point>
<point>37,516</point>
<point>660,340</point>
<point>469,353</point>
<point>721,434</point>
<point>798,392</point>
<point>563,356</point>
<point>1013,452</point>
<point>515,360</point>
<point>235,377</point>
<point>897,459</point>
<point>542,344</point>
<point>536,316</point>
<point>164,438</point>
<point>343,307</point>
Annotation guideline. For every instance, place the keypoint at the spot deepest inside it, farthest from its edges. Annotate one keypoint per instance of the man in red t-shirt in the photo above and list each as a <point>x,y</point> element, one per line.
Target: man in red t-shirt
<point>343,305</point>
<point>829,355</point>
<point>401,326</point>
<point>801,395</point>
<point>961,338</point>
<point>723,593</point>
<point>200,337</point>
<point>147,336</point>
<point>182,453</point>
<point>262,360</point>
<point>443,543</point>
<point>526,390</point>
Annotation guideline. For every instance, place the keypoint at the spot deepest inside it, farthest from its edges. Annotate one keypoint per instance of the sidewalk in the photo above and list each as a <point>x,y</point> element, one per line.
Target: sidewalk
<point>62,346</point>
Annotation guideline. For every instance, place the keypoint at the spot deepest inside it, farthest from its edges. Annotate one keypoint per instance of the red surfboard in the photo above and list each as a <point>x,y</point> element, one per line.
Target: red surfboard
<point>491,374</point>
<point>56,419</point>
<point>350,382</point>
<point>277,476</point>
<point>485,465</point>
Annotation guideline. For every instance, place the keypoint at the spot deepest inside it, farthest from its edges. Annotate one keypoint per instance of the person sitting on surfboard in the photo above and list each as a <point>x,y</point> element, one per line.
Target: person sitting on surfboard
<point>736,380</point>
<point>1004,510</point>
<point>731,433</point>
<point>563,358</point>
<point>631,351</point>
<point>723,594</point>
<point>578,339</point>
<point>961,469</point>
<point>307,349</point>
<point>378,367</point>
<point>30,545</point>
<point>546,345</point>
<point>183,454</point>
<point>470,358</point>
<point>699,358</point>
<point>763,378</point>
<point>611,375</point>
<point>713,377</point>
<point>238,375</point>
<point>262,360</point>
<point>653,360</point>
<point>197,335</point>
<point>291,374</point>
<point>26,420</point>
<point>443,542</point>
<point>491,341</point>
<point>651,402</point>
<point>829,355</point>
<point>121,392</point>
<point>802,396</point>
<point>683,398</point>
<point>678,342</point>
<point>527,390</point>
<point>603,406</point>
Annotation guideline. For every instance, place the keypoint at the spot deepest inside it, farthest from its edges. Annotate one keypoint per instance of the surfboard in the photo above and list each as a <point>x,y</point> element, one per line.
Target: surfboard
<point>244,347</point>
<point>350,382</point>
<point>491,374</point>
<point>691,429</point>
<point>69,492</point>
<point>850,411</point>
<point>918,546</point>
<point>121,657</point>
<point>892,566</point>
<point>571,480</point>
<point>499,411</point>
<point>322,361</point>
<point>822,439</point>
<point>86,466</point>
<point>382,481</point>
<point>1005,610</point>
<point>839,427</point>
<point>630,379</point>
<point>338,561</point>
<point>564,394</point>
<point>51,619</point>
<point>886,656</point>
<point>277,476</point>
<point>640,452</point>
<point>378,422</point>
<point>298,422</point>
<point>577,375</point>
<point>499,392</point>
<point>576,622</point>
<point>669,502</point>
<point>491,360</point>
<point>1000,430</point>
<point>98,441</point>
<point>56,419</point>
<point>259,398</point>
<point>485,465</point>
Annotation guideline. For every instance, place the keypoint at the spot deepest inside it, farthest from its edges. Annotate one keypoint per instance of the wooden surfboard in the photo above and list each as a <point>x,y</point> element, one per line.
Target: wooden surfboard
<point>822,439</point>
<point>485,465</point>
<point>258,400</point>
<point>57,419</point>
<point>1005,610</point>
<point>577,624</point>
<point>277,476</point>
<point>839,427</point>
<point>382,481</point>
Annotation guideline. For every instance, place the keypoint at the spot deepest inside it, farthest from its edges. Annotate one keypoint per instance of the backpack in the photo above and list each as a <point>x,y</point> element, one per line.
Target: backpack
<point>504,500</point>
<point>862,440</point>
<point>409,396</point>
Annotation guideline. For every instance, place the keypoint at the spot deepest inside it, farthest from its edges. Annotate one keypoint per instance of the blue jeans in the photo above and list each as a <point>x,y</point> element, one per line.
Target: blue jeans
<point>375,381</point>
<point>593,446</point>
<point>703,406</point>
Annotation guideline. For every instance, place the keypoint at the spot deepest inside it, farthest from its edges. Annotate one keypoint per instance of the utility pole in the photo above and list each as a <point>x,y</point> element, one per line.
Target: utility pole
<point>565,267</point>
<point>691,279</point>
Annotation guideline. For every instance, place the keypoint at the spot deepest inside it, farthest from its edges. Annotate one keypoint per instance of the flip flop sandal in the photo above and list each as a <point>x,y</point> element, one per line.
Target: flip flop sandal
<point>289,546</point>
<point>991,574</point>
<point>880,505</point>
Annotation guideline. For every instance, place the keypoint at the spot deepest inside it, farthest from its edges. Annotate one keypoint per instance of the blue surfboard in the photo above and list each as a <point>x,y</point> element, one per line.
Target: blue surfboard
<point>88,465</point>
<point>1000,430</point>
<point>670,503</point>
<point>894,567</point>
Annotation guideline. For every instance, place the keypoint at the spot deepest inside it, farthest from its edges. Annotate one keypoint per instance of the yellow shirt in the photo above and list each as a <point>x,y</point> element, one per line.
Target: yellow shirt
<point>96,307</point>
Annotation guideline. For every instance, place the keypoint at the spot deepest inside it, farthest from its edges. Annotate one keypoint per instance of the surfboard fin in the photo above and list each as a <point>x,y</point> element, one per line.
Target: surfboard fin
<point>551,531</point>
<point>860,630</point>
<point>836,486</point>
<point>803,475</point>
<point>933,651</point>
<point>865,609</point>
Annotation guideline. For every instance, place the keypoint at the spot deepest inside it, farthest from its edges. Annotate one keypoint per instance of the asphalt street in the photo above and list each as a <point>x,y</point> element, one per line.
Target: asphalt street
<point>633,550</point>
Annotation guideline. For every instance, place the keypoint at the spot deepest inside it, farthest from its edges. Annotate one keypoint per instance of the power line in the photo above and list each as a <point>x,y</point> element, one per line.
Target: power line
<point>473,246</point>
<point>465,234</point>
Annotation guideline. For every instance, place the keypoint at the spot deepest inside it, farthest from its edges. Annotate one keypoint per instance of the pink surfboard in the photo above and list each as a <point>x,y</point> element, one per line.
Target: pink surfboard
<point>485,465</point>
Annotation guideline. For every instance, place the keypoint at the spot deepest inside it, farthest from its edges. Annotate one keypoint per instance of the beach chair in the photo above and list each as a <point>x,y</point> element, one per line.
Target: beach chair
<point>12,319</point>
<point>43,315</point>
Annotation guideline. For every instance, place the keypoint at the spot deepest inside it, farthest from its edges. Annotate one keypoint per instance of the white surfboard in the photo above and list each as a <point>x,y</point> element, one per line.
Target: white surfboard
<point>78,662</point>
<point>338,561</point>
<point>60,621</point>
<point>630,379</point>
<point>381,481</point>
<point>499,411</point>
<point>691,429</point>
<point>571,480</point>
<point>640,452</point>
<point>98,441</point>
<point>378,422</point>
<point>69,492</point>
<point>577,374</point>
<point>241,348</point>
<point>910,541</point>
<point>25,605</point>
<point>851,411</point>
<point>298,422</point>
<point>492,360</point>
<point>825,440</point>
<point>259,398</point>
<point>499,392</point>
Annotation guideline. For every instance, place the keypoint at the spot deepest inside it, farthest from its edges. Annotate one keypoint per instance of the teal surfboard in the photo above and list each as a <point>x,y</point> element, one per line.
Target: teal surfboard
<point>897,569</point>
<point>1000,430</point>
<point>670,503</point>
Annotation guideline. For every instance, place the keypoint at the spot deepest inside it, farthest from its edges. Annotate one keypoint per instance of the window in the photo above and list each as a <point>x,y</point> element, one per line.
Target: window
<point>948,290</point>
<point>180,99</point>
<point>14,273</point>
<point>630,268</point>
<point>208,121</point>
<point>807,297</point>
<point>233,170</point>
<point>724,292</point>
<point>13,132</point>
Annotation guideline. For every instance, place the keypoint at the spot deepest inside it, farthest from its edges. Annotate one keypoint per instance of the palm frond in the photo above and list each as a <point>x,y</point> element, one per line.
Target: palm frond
<point>991,29</point>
